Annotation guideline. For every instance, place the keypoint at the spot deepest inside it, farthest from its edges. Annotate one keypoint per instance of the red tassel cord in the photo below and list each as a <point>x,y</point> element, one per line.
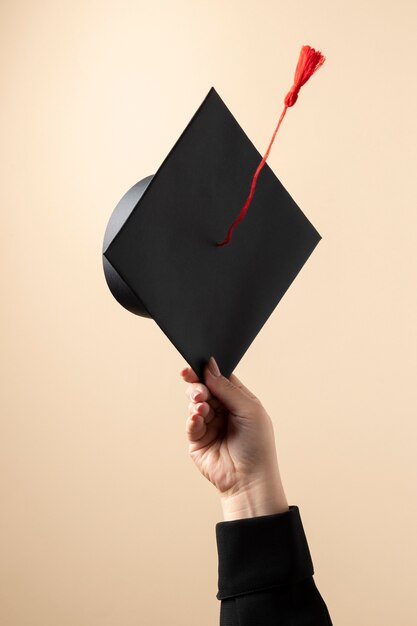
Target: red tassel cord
<point>309,62</point>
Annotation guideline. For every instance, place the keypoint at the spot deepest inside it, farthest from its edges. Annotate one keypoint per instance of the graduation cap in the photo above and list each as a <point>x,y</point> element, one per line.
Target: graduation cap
<point>172,251</point>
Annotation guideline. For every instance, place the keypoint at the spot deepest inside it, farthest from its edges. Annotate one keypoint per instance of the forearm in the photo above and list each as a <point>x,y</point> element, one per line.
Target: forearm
<point>263,497</point>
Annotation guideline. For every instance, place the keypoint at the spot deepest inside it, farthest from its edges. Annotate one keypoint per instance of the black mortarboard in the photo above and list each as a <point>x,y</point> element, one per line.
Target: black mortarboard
<point>160,254</point>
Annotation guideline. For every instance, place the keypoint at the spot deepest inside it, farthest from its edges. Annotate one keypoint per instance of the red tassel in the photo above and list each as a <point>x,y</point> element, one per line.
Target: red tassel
<point>309,62</point>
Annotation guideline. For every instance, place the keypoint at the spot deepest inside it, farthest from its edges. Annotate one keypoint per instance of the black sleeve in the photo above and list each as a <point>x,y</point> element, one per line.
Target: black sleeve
<point>266,573</point>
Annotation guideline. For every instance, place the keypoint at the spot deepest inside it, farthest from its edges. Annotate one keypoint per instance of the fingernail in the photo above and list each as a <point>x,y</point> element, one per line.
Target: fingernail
<point>213,367</point>
<point>195,395</point>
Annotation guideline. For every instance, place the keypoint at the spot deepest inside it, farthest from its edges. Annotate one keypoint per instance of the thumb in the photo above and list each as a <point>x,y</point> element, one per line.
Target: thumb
<point>231,396</point>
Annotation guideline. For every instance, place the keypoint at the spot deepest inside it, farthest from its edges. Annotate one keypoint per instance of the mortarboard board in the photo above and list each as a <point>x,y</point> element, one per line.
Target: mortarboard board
<point>161,255</point>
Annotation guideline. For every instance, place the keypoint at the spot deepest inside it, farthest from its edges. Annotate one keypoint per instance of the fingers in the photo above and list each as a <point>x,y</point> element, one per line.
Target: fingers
<point>200,433</point>
<point>189,375</point>
<point>201,427</point>
<point>195,390</point>
<point>203,409</point>
<point>199,392</point>
<point>195,427</point>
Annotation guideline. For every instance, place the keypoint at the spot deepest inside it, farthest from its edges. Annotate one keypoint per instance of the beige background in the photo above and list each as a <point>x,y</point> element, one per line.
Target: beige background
<point>104,519</point>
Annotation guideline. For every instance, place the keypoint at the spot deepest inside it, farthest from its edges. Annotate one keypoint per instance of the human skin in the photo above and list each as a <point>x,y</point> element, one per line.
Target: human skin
<point>232,443</point>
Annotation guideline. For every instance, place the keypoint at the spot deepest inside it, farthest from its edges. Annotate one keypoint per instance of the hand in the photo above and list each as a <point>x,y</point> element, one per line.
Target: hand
<point>232,443</point>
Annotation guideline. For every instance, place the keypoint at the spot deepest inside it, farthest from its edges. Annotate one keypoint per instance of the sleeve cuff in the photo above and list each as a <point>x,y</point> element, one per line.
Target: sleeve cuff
<point>259,552</point>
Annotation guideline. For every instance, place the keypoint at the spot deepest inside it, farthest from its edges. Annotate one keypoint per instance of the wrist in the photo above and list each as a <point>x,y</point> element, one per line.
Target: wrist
<point>266,498</point>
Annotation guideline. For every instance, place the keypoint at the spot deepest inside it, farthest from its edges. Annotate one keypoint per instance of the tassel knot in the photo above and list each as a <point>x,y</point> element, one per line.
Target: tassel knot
<point>291,97</point>
<point>309,62</point>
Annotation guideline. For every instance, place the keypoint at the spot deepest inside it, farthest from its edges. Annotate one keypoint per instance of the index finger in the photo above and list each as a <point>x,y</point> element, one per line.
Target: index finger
<point>189,375</point>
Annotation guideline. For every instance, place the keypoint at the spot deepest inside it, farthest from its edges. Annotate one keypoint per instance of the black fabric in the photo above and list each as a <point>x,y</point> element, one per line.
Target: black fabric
<point>265,574</point>
<point>208,300</point>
